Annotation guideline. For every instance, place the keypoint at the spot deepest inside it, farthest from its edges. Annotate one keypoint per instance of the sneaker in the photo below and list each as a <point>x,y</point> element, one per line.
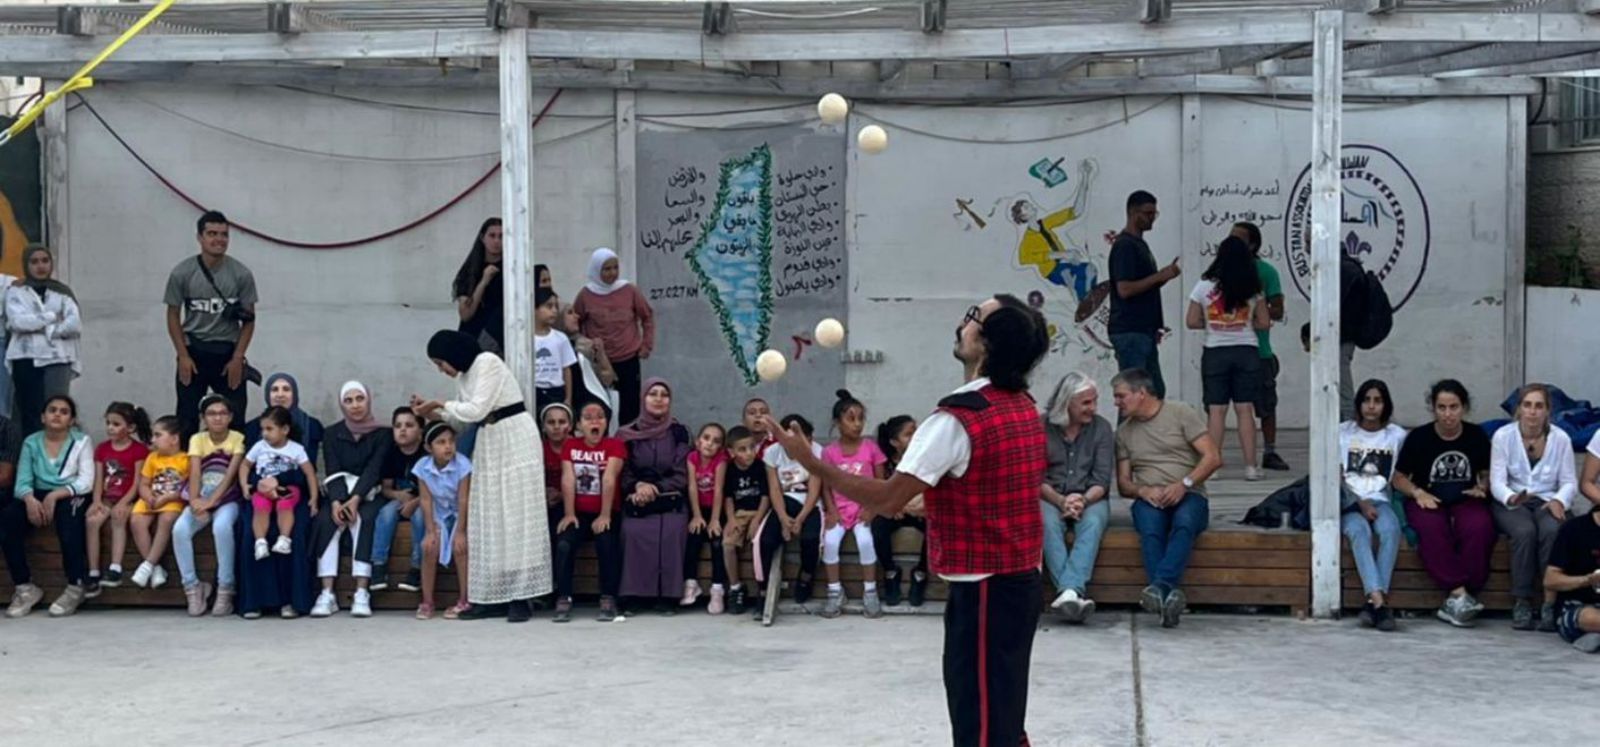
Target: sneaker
<point>1470,607</point>
<point>1274,462</point>
<point>758,607</point>
<point>284,545</point>
<point>223,606</point>
<point>1547,618</point>
<point>1070,605</point>
<point>891,587</point>
<point>1151,598</point>
<point>1086,610</point>
<point>1252,474</point>
<point>196,595</point>
<point>716,606</point>
<point>262,549</point>
<point>424,611</point>
<point>608,609</point>
<point>23,599</point>
<point>802,589</point>
<point>92,589</point>
<point>1062,598</point>
<point>1369,616</point>
<point>919,588</point>
<point>738,599</point>
<point>113,578</point>
<point>835,605</point>
<point>563,610</point>
<point>870,606</point>
<point>141,575</point>
<point>380,578</point>
<point>691,593</point>
<point>1453,612</point>
<point>1588,643</point>
<point>286,612</point>
<point>68,602</point>
<point>519,611</point>
<point>158,577</point>
<point>1172,608</point>
<point>1384,619</point>
<point>326,604</point>
<point>361,605</point>
<point>413,581</point>
<point>253,615</point>
<point>1522,615</point>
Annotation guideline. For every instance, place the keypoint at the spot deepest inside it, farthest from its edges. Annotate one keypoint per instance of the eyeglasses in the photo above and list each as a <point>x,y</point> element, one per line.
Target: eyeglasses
<point>973,315</point>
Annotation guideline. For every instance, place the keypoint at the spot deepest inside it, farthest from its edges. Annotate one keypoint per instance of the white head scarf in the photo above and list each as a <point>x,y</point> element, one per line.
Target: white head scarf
<point>596,262</point>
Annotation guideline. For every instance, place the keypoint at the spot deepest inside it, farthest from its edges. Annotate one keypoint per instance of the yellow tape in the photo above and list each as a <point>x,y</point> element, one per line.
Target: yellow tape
<point>81,80</point>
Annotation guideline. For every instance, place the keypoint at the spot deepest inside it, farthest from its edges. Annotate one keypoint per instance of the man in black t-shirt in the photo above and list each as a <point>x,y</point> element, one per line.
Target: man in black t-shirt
<point>1136,320</point>
<point>1574,573</point>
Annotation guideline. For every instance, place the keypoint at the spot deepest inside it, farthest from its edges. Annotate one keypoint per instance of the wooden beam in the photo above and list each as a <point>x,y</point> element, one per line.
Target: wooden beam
<point>934,13</point>
<point>891,70</point>
<point>1554,66</point>
<point>627,138</point>
<point>1488,55</point>
<point>1214,60</point>
<point>297,18</point>
<point>787,87</point>
<point>1515,369</point>
<point>83,21</point>
<point>516,209</point>
<point>1381,7</point>
<point>1326,193</point>
<point>1154,11</point>
<point>57,197</point>
<point>1049,66</point>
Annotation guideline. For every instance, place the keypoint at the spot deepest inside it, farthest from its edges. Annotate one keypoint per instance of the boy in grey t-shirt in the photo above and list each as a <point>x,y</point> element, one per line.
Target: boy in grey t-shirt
<point>211,300</point>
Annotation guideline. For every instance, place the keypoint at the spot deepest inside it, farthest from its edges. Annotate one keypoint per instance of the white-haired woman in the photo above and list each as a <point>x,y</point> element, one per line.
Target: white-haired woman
<point>1077,483</point>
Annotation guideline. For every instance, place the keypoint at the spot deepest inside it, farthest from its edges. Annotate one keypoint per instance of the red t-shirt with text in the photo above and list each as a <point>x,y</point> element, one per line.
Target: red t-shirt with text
<point>589,467</point>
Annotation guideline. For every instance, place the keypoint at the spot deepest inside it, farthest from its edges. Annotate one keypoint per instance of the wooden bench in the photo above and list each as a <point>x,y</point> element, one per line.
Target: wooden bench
<point>1230,567</point>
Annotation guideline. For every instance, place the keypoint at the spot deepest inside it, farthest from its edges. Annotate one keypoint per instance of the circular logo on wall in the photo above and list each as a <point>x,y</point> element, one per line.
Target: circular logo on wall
<point>1383,222</point>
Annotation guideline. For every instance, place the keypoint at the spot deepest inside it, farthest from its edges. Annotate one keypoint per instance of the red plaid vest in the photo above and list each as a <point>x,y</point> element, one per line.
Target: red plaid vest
<point>987,520</point>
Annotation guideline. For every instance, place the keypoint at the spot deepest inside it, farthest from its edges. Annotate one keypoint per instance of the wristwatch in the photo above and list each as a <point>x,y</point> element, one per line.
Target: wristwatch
<point>1188,484</point>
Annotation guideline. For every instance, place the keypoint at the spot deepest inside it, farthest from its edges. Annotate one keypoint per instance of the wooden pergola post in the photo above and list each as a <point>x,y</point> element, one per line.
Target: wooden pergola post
<point>516,210</point>
<point>1327,92</point>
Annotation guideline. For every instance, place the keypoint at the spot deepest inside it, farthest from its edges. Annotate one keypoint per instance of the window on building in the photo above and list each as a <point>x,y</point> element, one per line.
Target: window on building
<point>1580,110</point>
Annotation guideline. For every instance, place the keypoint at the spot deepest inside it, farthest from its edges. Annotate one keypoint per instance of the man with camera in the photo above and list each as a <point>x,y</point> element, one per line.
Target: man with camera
<point>217,296</point>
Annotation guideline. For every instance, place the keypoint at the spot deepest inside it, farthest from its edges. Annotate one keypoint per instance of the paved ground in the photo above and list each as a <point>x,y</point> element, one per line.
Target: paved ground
<point>153,677</point>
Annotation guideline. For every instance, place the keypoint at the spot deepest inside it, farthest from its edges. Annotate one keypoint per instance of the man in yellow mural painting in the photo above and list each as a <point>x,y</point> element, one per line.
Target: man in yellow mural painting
<point>1041,248</point>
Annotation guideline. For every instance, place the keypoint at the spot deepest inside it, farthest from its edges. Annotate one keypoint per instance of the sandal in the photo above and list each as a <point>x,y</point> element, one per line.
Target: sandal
<point>455,611</point>
<point>425,611</point>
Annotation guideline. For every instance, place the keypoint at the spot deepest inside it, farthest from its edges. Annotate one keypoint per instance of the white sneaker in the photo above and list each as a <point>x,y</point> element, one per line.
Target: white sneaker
<point>158,577</point>
<point>141,577</point>
<point>283,546</point>
<point>1252,474</point>
<point>1067,595</point>
<point>261,549</point>
<point>362,606</point>
<point>691,593</point>
<point>326,605</point>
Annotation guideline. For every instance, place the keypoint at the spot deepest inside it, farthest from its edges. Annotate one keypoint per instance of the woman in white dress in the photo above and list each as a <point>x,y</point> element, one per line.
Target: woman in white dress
<point>504,512</point>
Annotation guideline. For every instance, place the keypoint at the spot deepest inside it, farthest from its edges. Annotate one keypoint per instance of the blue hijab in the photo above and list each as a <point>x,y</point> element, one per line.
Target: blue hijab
<point>307,428</point>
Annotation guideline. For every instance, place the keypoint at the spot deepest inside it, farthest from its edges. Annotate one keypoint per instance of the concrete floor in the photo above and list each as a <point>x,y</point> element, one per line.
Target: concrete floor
<point>153,677</point>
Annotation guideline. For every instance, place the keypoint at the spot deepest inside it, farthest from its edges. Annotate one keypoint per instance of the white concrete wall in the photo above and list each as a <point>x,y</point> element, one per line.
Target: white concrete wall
<point>1562,340</point>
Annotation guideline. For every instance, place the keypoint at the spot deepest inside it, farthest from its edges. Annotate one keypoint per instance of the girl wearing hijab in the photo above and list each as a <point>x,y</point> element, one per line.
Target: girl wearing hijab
<point>655,483</point>
<point>614,312</point>
<point>44,326</point>
<point>503,513</point>
<point>353,451</point>
<point>479,291</point>
<point>279,583</point>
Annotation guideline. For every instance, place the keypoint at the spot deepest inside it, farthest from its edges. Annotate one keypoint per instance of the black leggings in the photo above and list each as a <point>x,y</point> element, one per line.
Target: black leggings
<point>771,534</point>
<point>607,545</point>
<point>691,556</point>
<point>883,529</point>
<point>71,533</point>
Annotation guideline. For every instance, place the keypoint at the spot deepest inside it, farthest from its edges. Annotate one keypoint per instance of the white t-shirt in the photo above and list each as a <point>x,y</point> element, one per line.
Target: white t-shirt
<point>1369,458</point>
<point>793,477</point>
<point>274,462</point>
<point>552,353</point>
<point>1224,328</point>
<point>942,447</point>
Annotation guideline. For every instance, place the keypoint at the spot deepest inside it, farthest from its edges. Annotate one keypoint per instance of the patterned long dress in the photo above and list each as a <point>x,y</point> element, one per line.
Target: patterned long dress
<point>507,528</point>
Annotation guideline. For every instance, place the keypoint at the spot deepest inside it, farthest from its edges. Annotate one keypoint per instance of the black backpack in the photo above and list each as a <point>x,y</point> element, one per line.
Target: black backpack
<point>1368,316</point>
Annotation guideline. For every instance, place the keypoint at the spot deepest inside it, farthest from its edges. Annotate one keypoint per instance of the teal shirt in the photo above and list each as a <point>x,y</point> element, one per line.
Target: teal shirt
<point>1270,286</point>
<point>73,467</point>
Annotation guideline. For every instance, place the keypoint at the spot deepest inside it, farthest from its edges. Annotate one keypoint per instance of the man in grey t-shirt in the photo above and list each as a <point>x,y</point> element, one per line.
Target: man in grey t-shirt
<point>211,303</point>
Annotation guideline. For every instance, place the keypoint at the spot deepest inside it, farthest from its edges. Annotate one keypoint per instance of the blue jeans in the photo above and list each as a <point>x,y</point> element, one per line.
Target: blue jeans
<point>1167,536</point>
<point>1375,570</point>
<point>1072,569</point>
<point>466,439</point>
<point>383,534</point>
<point>183,532</point>
<point>1138,350</point>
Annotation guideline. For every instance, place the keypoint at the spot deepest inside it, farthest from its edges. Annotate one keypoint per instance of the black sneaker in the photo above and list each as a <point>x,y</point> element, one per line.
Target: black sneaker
<point>919,588</point>
<point>1547,618</point>
<point>736,600</point>
<point>1384,619</point>
<point>413,581</point>
<point>113,579</point>
<point>92,588</point>
<point>483,612</point>
<point>563,610</point>
<point>758,607</point>
<point>1172,608</point>
<point>608,609</point>
<point>1369,617</point>
<point>891,587</point>
<point>519,611</point>
<point>802,589</point>
<point>1274,462</point>
<point>380,579</point>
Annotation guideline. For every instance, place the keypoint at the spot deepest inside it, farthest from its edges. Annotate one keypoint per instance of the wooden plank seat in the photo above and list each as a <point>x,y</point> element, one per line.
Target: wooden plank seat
<point>1411,589</point>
